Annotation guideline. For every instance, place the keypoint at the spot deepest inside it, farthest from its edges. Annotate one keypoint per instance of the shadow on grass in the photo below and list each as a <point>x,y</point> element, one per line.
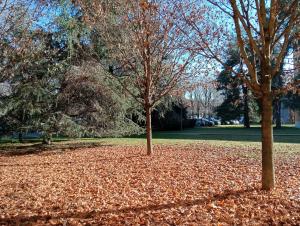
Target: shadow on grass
<point>155,207</point>
<point>283,135</point>
<point>29,140</point>
<point>21,149</point>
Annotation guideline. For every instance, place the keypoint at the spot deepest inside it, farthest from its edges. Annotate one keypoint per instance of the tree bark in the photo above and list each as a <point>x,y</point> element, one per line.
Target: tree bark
<point>181,126</point>
<point>198,109</point>
<point>268,174</point>
<point>149,131</point>
<point>278,113</point>
<point>246,107</point>
<point>20,137</point>
<point>47,140</point>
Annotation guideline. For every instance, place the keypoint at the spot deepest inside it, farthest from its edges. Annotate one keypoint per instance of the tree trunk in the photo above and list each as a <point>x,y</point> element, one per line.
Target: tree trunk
<point>268,174</point>
<point>181,126</point>
<point>47,139</point>
<point>20,137</point>
<point>278,113</point>
<point>246,107</point>
<point>149,131</point>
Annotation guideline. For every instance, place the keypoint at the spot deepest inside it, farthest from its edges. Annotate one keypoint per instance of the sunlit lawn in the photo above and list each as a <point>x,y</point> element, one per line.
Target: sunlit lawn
<point>286,139</point>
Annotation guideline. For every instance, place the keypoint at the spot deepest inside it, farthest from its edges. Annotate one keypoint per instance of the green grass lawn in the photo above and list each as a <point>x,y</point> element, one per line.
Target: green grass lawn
<point>286,139</point>
<point>287,134</point>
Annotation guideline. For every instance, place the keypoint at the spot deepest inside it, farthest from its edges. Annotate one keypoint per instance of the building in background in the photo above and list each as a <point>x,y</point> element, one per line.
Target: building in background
<point>297,74</point>
<point>287,113</point>
<point>297,119</point>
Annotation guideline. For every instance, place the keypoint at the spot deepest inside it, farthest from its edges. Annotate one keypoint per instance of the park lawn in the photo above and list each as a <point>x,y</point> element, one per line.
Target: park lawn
<point>219,134</point>
<point>287,134</point>
<point>287,139</point>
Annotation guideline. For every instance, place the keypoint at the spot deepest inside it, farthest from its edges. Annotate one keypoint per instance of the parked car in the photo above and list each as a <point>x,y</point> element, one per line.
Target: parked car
<point>234,122</point>
<point>225,122</point>
<point>241,121</point>
<point>209,122</point>
<point>199,123</point>
<point>204,122</point>
<point>216,121</point>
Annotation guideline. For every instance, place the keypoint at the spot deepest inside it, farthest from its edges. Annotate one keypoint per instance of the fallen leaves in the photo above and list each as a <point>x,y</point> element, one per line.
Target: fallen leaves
<point>178,185</point>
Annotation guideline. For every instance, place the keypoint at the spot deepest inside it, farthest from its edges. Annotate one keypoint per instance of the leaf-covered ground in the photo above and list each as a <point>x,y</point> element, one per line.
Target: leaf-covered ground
<point>196,184</point>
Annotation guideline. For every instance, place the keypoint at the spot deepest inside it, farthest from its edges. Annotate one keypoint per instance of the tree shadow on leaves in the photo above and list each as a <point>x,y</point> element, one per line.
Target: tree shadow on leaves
<point>139,209</point>
<point>120,159</point>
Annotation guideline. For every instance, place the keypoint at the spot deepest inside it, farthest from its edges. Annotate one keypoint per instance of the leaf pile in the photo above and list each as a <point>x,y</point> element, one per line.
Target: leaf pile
<point>178,185</point>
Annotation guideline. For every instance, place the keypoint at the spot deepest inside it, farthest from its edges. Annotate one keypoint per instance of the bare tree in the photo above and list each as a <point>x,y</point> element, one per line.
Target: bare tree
<point>147,49</point>
<point>205,97</point>
<point>263,30</point>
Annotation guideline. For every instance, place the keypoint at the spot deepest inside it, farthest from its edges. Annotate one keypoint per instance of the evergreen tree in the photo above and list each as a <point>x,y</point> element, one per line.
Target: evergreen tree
<point>30,105</point>
<point>51,91</point>
<point>238,100</point>
<point>231,108</point>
